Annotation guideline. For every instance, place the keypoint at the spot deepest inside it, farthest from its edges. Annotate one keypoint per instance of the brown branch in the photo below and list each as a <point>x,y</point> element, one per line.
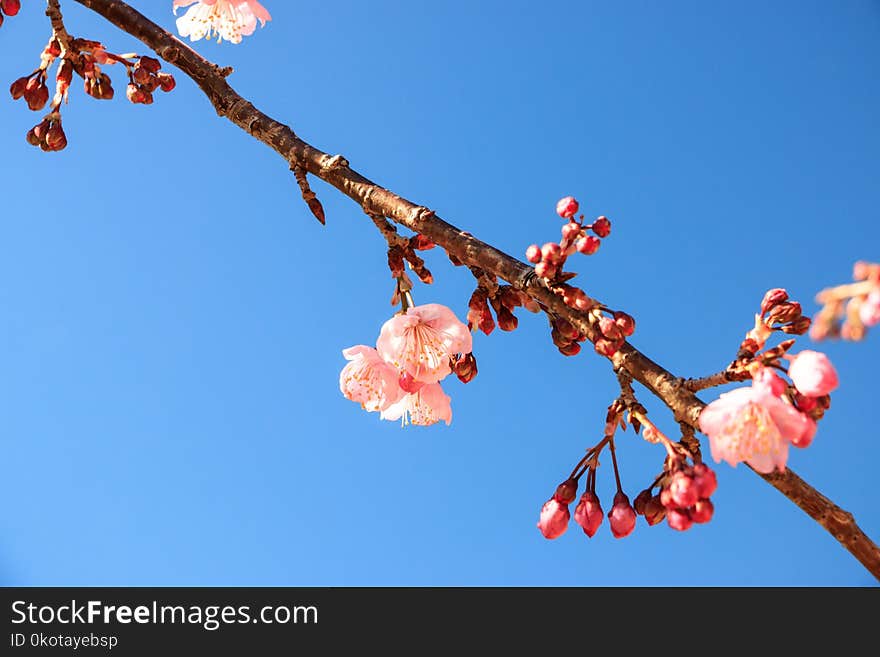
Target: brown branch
<point>375,199</point>
<point>53,11</point>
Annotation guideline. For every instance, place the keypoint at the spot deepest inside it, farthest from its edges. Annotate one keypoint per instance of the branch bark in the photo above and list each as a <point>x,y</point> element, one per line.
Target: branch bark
<point>377,200</point>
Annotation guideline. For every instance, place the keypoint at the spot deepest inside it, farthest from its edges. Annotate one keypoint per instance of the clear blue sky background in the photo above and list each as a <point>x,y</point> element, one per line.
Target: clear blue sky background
<point>171,317</point>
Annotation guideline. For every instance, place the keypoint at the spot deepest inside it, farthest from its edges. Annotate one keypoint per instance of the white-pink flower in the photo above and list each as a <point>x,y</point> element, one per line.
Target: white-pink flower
<point>228,19</point>
<point>369,380</point>
<point>754,425</point>
<point>425,407</point>
<point>421,341</point>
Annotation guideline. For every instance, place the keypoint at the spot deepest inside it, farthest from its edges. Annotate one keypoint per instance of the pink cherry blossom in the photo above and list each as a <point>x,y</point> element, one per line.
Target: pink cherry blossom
<point>369,380</point>
<point>425,407</point>
<point>588,513</point>
<point>422,340</point>
<point>228,19</point>
<point>812,373</point>
<point>753,425</point>
<point>869,311</point>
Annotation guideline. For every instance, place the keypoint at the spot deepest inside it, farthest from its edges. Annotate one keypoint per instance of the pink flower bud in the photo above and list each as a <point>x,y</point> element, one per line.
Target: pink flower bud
<point>622,517</point>
<point>554,519</point>
<point>625,323</point>
<point>679,519</point>
<point>869,311</point>
<point>566,491</point>
<point>807,435</point>
<point>551,252</point>
<point>605,347</point>
<point>588,513</point>
<point>666,499</point>
<point>533,254</point>
<point>570,231</point>
<point>602,227</point>
<point>772,298</point>
<point>567,207</point>
<point>812,373</point>
<point>804,404</point>
<point>545,269</point>
<point>609,328</point>
<point>683,490</point>
<point>588,245</point>
<point>702,511</point>
<point>705,480</point>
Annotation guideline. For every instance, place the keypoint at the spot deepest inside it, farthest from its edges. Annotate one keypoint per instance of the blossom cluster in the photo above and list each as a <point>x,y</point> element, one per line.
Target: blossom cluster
<point>85,58</point>
<point>400,377</point>
<point>849,310</point>
<point>756,424</point>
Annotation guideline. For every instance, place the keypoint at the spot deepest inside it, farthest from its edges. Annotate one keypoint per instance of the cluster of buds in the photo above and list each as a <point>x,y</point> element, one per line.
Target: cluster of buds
<point>144,78</point>
<point>683,498</point>
<point>402,251</point>
<point>550,258</point>
<point>503,299</point>
<point>84,58</point>
<point>555,514</point>
<point>778,314</point>
<point>48,134</point>
<point>848,311</point>
<point>8,8</point>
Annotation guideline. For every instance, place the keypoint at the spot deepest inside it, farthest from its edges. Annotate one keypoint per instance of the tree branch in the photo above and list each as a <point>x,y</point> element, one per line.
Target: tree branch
<point>377,200</point>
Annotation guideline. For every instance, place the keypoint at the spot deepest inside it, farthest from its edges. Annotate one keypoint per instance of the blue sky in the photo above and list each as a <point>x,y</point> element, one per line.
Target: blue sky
<point>173,319</point>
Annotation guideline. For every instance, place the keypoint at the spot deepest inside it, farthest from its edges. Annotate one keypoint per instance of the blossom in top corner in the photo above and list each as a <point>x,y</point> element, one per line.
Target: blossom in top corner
<point>230,20</point>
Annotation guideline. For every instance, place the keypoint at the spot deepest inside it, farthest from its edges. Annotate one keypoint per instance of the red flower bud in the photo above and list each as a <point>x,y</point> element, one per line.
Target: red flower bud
<point>507,321</point>
<point>683,490</point>
<point>570,349</point>
<point>679,519</point>
<point>641,501</point>
<point>10,7</point>
<point>545,269</point>
<point>552,253</point>
<point>465,368</point>
<point>625,323</point>
<point>566,491</point>
<point>655,512</point>
<point>18,88</point>
<point>588,513</point>
<point>702,511</point>
<point>588,245</point>
<point>602,227</point>
<point>772,298</point>
<point>567,207</point>
<point>570,231</point>
<point>605,347</point>
<point>705,480</point>
<point>622,517</point>
<point>609,328</point>
<point>150,64</point>
<point>553,521</point>
<point>533,254</point>
<point>784,312</point>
